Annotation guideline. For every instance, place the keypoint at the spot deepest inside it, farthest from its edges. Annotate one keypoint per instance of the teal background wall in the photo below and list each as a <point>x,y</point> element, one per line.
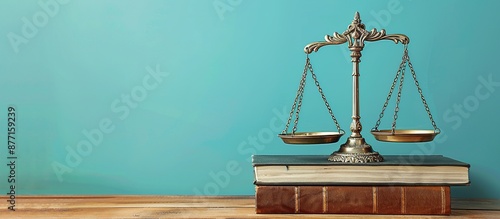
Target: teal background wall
<point>173,97</point>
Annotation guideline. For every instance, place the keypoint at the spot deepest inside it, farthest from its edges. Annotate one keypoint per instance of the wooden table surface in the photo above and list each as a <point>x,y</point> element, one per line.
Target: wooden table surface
<point>121,206</point>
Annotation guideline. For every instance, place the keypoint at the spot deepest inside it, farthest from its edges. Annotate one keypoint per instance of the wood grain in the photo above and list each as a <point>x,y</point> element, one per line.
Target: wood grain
<point>121,206</point>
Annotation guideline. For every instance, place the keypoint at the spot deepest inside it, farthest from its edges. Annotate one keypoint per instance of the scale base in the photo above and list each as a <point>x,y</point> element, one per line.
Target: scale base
<point>355,150</point>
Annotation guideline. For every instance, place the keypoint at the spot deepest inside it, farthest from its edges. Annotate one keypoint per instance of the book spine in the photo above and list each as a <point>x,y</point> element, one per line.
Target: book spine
<point>422,200</point>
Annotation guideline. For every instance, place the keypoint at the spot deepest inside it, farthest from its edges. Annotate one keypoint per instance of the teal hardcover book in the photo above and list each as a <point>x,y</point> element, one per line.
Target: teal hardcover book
<point>395,170</point>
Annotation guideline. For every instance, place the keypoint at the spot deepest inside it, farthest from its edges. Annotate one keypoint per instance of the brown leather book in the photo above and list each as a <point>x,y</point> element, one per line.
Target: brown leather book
<point>421,200</point>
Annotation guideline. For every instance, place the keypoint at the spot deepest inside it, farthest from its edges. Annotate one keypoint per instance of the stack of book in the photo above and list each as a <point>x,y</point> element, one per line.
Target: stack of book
<point>309,184</point>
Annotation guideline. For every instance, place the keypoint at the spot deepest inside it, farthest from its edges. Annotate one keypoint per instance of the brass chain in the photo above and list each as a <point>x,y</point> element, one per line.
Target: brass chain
<point>436,129</point>
<point>324,99</point>
<point>400,89</point>
<point>297,104</point>
<point>405,61</point>
<point>299,96</point>
<point>394,82</point>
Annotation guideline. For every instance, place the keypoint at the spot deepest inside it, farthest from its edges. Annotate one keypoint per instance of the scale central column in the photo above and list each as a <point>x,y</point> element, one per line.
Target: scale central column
<point>355,150</point>
<point>356,124</point>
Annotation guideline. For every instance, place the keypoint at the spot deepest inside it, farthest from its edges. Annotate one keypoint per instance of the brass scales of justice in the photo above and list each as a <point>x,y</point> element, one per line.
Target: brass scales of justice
<point>356,150</point>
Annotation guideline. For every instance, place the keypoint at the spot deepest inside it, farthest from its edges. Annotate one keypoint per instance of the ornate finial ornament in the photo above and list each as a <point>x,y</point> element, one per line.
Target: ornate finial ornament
<point>355,36</point>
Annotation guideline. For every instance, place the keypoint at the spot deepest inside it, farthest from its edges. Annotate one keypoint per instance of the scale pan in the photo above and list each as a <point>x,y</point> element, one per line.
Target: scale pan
<point>311,137</point>
<point>404,135</point>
